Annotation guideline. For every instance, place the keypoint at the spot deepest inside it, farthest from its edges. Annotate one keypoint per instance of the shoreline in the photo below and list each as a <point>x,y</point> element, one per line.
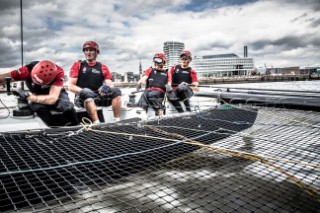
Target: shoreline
<point>241,79</point>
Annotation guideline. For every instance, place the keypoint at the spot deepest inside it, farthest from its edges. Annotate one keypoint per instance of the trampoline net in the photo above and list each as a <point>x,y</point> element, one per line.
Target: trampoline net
<point>220,160</point>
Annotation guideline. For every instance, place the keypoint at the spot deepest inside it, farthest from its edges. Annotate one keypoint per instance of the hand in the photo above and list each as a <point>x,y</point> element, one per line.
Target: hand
<point>182,83</point>
<point>23,95</point>
<point>139,87</point>
<point>168,88</point>
<point>103,89</point>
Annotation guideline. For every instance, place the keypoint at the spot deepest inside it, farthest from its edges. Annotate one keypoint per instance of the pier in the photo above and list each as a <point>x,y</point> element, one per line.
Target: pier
<point>241,79</point>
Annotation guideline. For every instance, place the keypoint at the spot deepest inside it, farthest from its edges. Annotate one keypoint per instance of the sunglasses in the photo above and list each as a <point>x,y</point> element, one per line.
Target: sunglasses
<point>157,60</point>
<point>185,57</point>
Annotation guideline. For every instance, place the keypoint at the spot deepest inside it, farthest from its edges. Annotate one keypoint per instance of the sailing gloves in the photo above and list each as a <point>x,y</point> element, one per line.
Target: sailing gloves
<point>23,95</point>
<point>104,89</point>
<point>168,88</point>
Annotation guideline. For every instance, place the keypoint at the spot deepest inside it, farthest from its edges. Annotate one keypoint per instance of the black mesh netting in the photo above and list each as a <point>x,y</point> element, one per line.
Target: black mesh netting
<point>221,160</point>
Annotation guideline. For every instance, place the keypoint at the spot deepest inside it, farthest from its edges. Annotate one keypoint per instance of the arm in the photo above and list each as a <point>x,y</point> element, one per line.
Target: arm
<point>194,79</point>
<point>4,76</point>
<point>108,82</point>
<point>170,76</point>
<point>145,76</point>
<point>143,79</point>
<point>49,99</point>
<point>72,86</point>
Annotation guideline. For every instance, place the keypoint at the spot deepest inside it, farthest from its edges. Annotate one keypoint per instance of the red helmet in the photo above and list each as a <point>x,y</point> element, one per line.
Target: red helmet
<point>186,53</point>
<point>44,72</point>
<point>91,44</point>
<point>160,55</point>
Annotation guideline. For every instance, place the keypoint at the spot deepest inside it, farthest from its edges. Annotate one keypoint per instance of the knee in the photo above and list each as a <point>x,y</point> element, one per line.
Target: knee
<point>65,105</point>
<point>86,93</point>
<point>116,99</point>
<point>116,92</point>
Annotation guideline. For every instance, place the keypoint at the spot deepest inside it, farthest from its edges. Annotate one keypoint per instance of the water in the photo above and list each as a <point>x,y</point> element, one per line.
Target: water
<point>291,85</point>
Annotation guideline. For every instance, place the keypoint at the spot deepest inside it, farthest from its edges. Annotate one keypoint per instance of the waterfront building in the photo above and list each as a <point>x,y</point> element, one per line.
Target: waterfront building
<point>116,77</point>
<point>283,70</point>
<point>172,51</point>
<point>129,77</point>
<point>221,65</point>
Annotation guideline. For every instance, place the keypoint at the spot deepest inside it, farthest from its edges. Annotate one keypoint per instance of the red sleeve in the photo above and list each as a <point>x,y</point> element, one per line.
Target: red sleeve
<point>170,73</point>
<point>58,81</point>
<point>21,74</point>
<point>147,72</point>
<point>106,72</point>
<point>169,77</point>
<point>74,71</point>
<point>194,77</point>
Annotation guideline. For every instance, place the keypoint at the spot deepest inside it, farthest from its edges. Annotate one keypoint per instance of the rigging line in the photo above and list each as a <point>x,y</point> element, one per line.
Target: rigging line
<point>236,152</point>
<point>21,31</point>
<point>241,134</point>
<point>6,107</point>
<point>307,189</point>
<point>271,114</point>
<point>104,159</point>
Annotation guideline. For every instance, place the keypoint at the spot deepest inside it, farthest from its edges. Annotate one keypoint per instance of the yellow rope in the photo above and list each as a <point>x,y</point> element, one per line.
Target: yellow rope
<point>254,157</point>
<point>86,123</point>
<point>309,190</point>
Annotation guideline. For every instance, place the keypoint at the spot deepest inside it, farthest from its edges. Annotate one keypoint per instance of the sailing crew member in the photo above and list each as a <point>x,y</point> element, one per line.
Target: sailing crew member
<point>156,80</point>
<point>184,82</point>
<point>44,80</point>
<point>91,81</point>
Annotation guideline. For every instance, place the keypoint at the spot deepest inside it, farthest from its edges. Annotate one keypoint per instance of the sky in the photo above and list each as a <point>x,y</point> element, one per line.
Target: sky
<point>278,33</point>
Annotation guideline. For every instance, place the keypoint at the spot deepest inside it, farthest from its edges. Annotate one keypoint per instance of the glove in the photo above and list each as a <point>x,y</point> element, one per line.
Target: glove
<point>139,87</point>
<point>183,86</point>
<point>104,89</point>
<point>168,88</point>
<point>23,95</point>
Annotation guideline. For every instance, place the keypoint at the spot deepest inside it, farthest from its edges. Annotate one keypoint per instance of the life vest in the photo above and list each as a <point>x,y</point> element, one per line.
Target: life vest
<point>157,79</point>
<point>90,76</point>
<point>181,75</point>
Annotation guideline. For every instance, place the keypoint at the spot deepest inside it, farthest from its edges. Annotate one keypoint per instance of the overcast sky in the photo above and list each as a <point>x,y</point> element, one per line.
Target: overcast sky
<point>277,32</point>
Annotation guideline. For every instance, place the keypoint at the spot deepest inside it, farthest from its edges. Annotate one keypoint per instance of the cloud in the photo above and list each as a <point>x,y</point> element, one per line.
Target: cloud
<point>279,32</point>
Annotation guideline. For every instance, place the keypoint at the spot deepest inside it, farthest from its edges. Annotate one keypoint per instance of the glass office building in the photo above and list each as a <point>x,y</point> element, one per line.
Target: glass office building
<point>172,50</point>
<point>222,65</point>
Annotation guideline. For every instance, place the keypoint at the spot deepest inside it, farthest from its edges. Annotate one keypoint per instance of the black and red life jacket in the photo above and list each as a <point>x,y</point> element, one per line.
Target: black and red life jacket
<point>157,79</point>
<point>90,76</point>
<point>181,75</point>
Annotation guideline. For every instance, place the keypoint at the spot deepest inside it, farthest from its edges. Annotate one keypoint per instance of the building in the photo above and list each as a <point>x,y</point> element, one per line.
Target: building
<point>140,70</point>
<point>116,77</point>
<point>283,71</point>
<point>172,51</point>
<point>128,77</point>
<point>222,65</point>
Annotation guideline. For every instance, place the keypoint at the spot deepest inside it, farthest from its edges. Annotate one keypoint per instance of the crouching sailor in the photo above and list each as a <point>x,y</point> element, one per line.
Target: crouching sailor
<point>91,81</point>
<point>44,80</point>
<point>155,79</point>
<point>184,82</point>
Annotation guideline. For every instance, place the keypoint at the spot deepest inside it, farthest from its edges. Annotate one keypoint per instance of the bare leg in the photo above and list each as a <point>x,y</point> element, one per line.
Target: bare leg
<point>92,110</point>
<point>116,107</point>
<point>159,112</point>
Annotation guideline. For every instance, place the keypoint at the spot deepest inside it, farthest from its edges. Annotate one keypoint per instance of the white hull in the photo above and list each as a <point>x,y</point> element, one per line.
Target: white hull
<point>8,122</point>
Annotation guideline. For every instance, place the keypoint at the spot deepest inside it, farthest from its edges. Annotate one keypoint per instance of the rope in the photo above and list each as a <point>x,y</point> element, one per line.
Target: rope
<point>309,190</point>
